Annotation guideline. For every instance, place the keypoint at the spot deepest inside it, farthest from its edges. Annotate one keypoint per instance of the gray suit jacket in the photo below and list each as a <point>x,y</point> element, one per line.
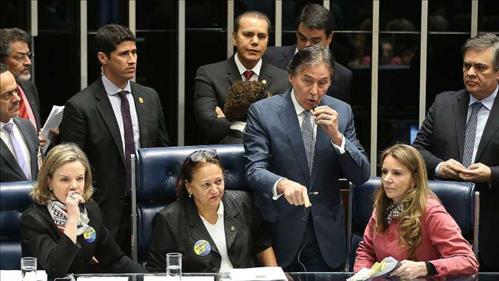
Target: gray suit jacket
<point>9,168</point>
<point>89,121</point>
<point>274,149</point>
<point>342,81</point>
<point>441,137</point>
<point>211,87</point>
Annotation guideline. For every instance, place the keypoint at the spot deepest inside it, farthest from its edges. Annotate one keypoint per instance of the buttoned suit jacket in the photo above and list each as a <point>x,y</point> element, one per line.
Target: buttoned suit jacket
<point>274,149</point>
<point>342,81</point>
<point>9,167</point>
<point>178,227</point>
<point>31,93</point>
<point>89,121</point>
<point>441,137</point>
<point>211,87</point>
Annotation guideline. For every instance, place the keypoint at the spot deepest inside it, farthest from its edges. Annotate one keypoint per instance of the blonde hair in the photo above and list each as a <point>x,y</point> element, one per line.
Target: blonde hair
<point>414,201</point>
<point>56,158</point>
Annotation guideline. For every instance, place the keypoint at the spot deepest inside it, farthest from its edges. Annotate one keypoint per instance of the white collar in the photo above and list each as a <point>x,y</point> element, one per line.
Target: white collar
<point>242,68</point>
<point>220,210</point>
<point>3,124</point>
<point>488,102</point>
<point>111,88</point>
<point>298,108</point>
<point>238,125</point>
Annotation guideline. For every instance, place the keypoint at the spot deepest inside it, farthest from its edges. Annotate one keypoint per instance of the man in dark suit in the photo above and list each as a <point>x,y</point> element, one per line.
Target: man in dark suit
<point>212,81</point>
<point>15,53</point>
<point>298,144</point>
<point>314,26</point>
<point>459,138</point>
<point>109,120</point>
<point>19,143</point>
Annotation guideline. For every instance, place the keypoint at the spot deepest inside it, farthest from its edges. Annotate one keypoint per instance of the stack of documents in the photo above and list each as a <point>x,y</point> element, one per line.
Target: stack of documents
<point>382,268</point>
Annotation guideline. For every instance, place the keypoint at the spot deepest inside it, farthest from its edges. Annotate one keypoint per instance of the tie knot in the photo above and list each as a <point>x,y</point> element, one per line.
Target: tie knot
<point>247,74</point>
<point>306,113</point>
<point>8,127</point>
<point>122,94</point>
<point>476,106</point>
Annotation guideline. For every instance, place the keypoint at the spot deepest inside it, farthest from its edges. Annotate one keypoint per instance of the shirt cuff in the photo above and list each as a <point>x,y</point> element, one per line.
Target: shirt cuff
<point>341,148</point>
<point>276,196</point>
<point>437,169</point>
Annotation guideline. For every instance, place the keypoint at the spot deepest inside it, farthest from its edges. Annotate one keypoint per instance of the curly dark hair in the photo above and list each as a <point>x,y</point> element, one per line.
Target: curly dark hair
<point>241,95</point>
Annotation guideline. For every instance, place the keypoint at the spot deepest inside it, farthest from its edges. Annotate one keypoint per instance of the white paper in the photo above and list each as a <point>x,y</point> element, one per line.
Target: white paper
<point>53,121</point>
<point>257,273</point>
<point>41,275</point>
<point>184,278</point>
<point>102,278</point>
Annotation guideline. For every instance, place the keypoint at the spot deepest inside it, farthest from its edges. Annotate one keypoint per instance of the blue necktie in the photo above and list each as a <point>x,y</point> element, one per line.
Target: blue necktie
<point>469,140</point>
<point>18,150</point>
<point>307,133</point>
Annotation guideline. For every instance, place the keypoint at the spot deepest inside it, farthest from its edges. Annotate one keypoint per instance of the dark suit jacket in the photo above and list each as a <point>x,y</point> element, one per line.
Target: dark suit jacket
<point>9,167</point>
<point>89,121</point>
<point>58,255</point>
<point>342,80</point>
<point>31,93</point>
<point>441,137</point>
<point>211,87</point>
<point>274,149</point>
<point>178,226</point>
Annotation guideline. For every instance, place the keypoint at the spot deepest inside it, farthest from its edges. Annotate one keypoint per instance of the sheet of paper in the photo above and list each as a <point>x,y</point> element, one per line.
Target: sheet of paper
<point>53,121</point>
<point>184,278</point>
<point>102,278</point>
<point>41,275</point>
<point>257,273</point>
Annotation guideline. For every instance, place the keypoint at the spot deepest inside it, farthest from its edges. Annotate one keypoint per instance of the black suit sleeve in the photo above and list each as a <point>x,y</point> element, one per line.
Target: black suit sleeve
<point>163,139</point>
<point>205,101</point>
<point>73,126</point>
<point>56,257</point>
<point>162,239</point>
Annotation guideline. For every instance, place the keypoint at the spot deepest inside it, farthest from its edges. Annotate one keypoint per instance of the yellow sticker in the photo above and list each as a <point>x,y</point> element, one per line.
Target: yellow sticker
<point>202,248</point>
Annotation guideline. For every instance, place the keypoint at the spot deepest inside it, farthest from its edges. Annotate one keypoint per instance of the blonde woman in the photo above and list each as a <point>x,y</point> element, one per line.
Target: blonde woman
<point>63,228</point>
<point>410,224</point>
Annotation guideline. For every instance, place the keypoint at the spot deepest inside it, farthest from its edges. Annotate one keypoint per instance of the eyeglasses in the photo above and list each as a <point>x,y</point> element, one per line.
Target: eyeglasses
<point>8,95</point>
<point>200,155</point>
<point>21,57</point>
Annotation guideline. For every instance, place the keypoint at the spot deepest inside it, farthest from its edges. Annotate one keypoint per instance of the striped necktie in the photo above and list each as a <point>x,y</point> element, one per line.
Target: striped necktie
<point>469,140</point>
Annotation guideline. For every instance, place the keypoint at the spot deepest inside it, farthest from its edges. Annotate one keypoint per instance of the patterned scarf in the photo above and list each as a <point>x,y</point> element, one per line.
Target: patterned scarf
<point>59,215</point>
<point>393,212</point>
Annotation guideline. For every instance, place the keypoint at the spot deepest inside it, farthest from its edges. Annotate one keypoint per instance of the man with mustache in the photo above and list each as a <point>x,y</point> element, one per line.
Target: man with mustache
<point>459,138</point>
<point>19,143</point>
<point>109,120</point>
<point>212,81</point>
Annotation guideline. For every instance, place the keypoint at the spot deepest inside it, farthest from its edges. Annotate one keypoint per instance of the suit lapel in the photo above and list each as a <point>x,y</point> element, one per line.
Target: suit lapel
<point>460,110</point>
<point>10,159</point>
<point>142,113</point>
<point>198,230</point>
<point>106,111</point>
<point>266,76</point>
<point>232,71</point>
<point>231,225</point>
<point>32,146</point>
<point>491,129</point>
<point>289,120</point>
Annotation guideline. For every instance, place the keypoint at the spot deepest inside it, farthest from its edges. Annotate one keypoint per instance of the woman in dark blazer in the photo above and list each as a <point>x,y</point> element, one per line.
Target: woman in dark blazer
<point>215,230</point>
<point>63,228</point>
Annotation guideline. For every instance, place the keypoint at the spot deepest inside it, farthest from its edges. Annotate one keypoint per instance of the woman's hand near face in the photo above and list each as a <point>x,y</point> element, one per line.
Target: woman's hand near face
<point>73,199</point>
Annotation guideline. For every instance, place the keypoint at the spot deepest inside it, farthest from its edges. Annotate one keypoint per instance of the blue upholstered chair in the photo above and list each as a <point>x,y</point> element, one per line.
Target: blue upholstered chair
<point>14,199</point>
<point>156,172</point>
<point>459,199</point>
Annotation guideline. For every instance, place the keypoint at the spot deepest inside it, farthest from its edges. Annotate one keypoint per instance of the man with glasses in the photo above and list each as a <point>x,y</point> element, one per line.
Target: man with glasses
<point>459,139</point>
<point>19,143</point>
<point>314,26</point>
<point>15,53</point>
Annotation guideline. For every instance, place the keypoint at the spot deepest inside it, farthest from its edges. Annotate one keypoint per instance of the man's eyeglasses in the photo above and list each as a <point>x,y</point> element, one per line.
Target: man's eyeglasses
<point>8,95</point>
<point>21,57</point>
<point>200,155</point>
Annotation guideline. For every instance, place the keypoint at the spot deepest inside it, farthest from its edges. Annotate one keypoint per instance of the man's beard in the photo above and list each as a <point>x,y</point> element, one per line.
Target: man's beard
<point>26,76</point>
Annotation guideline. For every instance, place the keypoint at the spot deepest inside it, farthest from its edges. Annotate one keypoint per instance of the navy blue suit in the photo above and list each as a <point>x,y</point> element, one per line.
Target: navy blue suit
<point>274,149</point>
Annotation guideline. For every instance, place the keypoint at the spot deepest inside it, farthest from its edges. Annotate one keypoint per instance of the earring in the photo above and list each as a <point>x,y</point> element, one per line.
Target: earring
<point>190,195</point>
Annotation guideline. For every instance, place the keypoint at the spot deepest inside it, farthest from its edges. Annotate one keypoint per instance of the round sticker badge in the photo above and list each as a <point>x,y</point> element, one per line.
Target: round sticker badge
<point>202,248</point>
<point>89,234</point>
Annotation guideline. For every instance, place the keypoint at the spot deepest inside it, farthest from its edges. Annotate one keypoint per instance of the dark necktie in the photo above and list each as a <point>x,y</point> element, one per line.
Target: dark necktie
<point>128,137</point>
<point>307,133</point>
<point>18,150</point>
<point>469,140</point>
<point>247,74</point>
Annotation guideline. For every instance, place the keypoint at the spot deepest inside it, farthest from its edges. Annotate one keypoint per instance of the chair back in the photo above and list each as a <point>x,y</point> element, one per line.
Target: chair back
<point>156,173</point>
<point>14,199</point>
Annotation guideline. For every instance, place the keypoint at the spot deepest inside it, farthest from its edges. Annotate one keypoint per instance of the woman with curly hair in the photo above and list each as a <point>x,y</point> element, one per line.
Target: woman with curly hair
<point>410,224</point>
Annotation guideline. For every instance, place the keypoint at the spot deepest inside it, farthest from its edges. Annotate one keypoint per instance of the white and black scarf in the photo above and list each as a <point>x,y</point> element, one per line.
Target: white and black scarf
<point>59,215</point>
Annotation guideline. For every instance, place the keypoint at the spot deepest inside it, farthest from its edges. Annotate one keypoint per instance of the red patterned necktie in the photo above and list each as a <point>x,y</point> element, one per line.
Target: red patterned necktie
<point>247,74</point>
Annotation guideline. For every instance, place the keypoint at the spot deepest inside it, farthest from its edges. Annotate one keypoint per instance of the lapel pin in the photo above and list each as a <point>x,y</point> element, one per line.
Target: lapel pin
<point>264,81</point>
<point>232,228</point>
<point>141,100</point>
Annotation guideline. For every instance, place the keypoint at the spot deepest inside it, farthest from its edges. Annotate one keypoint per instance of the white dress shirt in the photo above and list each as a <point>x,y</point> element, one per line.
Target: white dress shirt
<point>242,69</point>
